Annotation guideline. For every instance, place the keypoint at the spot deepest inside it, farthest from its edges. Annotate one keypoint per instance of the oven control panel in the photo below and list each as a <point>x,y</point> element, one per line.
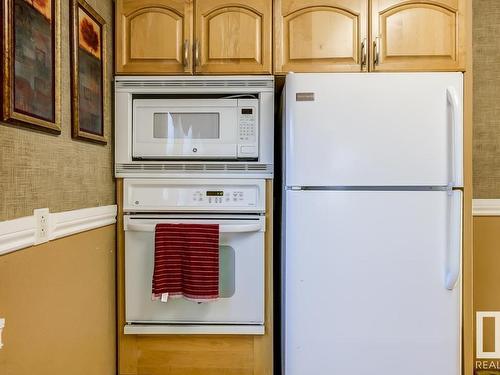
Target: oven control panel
<point>194,195</point>
<point>225,197</point>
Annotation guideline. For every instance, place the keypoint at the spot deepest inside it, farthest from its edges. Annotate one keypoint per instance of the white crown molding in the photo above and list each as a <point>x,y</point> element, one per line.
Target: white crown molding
<point>486,207</point>
<point>20,233</point>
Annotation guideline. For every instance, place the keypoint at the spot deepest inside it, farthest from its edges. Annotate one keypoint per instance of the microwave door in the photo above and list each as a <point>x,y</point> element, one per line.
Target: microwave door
<point>161,132</point>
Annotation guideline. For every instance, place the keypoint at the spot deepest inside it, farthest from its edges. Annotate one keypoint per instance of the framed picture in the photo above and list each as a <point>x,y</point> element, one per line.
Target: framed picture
<point>88,70</point>
<point>31,63</point>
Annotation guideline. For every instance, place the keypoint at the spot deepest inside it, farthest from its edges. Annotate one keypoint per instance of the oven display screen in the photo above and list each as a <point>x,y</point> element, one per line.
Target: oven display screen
<point>246,111</point>
<point>215,193</point>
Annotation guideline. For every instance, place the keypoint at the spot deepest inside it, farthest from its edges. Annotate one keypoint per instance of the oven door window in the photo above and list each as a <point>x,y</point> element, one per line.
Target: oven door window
<point>227,266</point>
<point>176,125</point>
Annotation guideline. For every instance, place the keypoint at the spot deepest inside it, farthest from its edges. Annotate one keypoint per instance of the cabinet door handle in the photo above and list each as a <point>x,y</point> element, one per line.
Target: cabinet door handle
<point>376,50</point>
<point>363,53</point>
<point>186,54</point>
<point>197,52</point>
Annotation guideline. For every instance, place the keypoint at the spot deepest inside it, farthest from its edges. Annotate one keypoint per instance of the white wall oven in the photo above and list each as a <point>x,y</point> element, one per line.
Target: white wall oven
<point>238,206</point>
<point>183,126</point>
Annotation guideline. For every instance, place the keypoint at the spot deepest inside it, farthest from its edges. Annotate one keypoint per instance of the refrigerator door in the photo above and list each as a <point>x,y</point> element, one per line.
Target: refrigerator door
<point>384,129</point>
<point>371,283</point>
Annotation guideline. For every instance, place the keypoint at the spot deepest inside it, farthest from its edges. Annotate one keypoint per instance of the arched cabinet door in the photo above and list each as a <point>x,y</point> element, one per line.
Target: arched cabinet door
<point>320,35</point>
<point>233,36</point>
<point>418,35</point>
<point>153,36</point>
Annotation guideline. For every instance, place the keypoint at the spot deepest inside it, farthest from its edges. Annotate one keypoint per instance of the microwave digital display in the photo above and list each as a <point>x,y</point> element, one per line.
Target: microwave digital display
<point>215,193</point>
<point>246,111</point>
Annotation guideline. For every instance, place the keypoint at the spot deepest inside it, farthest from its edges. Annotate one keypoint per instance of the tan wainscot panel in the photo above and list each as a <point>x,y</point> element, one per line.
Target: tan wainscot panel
<point>58,301</point>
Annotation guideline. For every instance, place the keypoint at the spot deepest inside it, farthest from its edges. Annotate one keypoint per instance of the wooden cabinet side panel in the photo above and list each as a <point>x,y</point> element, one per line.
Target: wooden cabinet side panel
<point>319,36</point>
<point>418,35</point>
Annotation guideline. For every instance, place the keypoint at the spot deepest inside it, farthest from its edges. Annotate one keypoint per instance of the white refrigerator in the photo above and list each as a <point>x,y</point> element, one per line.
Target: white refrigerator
<point>372,229</point>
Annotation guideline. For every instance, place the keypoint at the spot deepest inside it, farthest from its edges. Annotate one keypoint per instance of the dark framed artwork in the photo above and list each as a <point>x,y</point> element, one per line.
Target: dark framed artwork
<point>31,63</point>
<point>88,68</point>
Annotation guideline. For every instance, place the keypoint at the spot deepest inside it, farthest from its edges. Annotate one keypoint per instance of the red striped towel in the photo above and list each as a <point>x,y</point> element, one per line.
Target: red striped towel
<point>186,262</point>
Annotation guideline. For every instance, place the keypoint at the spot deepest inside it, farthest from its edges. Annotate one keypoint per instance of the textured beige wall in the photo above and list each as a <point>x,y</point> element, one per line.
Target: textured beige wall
<point>58,301</point>
<point>42,170</point>
<point>486,28</point>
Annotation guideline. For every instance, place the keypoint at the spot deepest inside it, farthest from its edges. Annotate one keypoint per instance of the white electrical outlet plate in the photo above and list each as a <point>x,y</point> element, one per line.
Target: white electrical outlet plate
<point>41,225</point>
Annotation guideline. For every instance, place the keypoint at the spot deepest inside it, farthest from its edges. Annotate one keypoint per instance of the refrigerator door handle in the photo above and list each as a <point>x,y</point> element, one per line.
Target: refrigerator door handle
<point>454,253</point>
<point>455,138</point>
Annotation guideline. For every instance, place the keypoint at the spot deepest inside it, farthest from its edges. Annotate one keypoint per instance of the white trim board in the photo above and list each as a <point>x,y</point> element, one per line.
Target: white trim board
<point>190,329</point>
<point>19,233</point>
<point>486,207</point>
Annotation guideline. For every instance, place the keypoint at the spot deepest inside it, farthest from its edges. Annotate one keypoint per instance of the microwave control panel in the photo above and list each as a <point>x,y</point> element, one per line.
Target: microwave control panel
<point>247,132</point>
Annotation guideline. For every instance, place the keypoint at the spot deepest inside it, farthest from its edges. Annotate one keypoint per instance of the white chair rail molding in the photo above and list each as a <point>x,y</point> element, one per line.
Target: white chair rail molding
<point>486,207</point>
<point>44,226</point>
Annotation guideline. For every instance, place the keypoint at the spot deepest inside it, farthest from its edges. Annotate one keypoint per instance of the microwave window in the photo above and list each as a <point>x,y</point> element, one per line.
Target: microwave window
<point>186,125</point>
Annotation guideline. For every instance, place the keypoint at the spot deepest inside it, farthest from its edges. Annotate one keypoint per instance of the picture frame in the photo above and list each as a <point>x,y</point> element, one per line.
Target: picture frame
<point>88,72</point>
<point>31,69</point>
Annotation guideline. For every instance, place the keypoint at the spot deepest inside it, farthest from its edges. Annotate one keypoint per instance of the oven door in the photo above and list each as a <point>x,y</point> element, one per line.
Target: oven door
<point>185,129</point>
<point>241,276</point>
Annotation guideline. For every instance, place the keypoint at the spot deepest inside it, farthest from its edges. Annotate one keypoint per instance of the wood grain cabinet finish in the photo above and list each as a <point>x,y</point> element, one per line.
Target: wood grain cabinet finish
<point>418,35</point>
<point>153,36</point>
<point>320,36</point>
<point>233,36</point>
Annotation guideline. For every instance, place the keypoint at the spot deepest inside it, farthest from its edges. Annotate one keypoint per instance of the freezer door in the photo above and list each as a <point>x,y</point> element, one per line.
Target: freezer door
<point>371,283</point>
<point>384,129</point>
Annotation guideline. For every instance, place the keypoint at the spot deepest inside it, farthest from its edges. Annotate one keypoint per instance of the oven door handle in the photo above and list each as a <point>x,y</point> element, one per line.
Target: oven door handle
<point>237,228</point>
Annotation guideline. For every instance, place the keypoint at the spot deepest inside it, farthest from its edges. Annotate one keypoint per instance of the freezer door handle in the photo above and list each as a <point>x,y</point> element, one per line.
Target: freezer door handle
<point>454,253</point>
<point>455,137</point>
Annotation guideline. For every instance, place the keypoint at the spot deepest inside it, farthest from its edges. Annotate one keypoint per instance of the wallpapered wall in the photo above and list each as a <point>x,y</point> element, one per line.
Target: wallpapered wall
<point>486,27</point>
<point>42,170</point>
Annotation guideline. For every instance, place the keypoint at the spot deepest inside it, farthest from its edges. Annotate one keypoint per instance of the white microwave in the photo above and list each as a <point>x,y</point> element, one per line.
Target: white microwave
<point>194,126</point>
<point>199,128</point>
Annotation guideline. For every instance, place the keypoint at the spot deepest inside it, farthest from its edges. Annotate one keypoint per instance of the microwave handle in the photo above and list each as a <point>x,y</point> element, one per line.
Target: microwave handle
<point>240,228</point>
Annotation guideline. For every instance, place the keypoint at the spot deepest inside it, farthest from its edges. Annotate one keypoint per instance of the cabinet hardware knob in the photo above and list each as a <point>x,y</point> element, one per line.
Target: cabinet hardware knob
<point>363,53</point>
<point>376,50</point>
<point>186,53</point>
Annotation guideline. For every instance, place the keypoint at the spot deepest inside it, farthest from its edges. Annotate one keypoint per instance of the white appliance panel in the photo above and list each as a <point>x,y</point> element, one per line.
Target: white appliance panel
<point>371,282</point>
<point>384,129</point>
<point>241,263</point>
<point>200,195</point>
<point>255,155</point>
<point>195,128</point>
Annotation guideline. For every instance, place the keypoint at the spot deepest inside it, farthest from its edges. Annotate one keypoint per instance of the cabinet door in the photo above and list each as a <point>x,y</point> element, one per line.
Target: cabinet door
<point>320,35</point>
<point>233,37</point>
<point>418,35</point>
<point>153,36</point>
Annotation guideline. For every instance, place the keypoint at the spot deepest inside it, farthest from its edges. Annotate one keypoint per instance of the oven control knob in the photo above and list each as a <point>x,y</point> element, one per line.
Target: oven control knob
<point>136,202</point>
<point>195,149</point>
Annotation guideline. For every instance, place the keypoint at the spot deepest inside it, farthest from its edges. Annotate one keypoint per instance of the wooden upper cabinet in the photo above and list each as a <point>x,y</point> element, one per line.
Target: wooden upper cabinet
<point>418,35</point>
<point>320,36</point>
<point>233,36</point>
<point>153,36</point>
